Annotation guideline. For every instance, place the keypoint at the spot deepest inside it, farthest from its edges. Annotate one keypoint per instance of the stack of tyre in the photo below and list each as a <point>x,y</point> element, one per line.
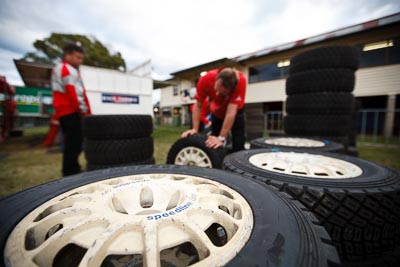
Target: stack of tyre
<point>319,88</point>
<point>118,140</point>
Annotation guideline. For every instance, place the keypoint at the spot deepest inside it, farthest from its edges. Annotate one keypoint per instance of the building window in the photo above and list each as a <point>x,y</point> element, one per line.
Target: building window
<point>394,52</point>
<point>267,72</point>
<point>380,53</point>
<point>175,90</point>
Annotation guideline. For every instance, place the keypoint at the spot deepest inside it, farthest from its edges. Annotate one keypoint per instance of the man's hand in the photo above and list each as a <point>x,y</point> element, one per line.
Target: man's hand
<point>188,132</point>
<point>214,142</point>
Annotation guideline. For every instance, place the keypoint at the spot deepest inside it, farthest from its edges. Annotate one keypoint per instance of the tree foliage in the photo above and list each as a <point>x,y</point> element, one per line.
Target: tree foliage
<point>50,50</point>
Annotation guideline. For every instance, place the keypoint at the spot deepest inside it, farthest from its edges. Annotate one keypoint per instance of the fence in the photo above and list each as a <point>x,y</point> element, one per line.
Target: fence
<point>370,125</point>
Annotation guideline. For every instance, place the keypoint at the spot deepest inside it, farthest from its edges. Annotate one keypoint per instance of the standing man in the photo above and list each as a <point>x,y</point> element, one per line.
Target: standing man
<point>226,88</point>
<point>70,103</point>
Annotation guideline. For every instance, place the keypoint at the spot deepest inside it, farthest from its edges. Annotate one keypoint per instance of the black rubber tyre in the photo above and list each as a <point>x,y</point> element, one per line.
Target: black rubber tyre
<point>216,156</point>
<point>110,127</point>
<point>109,152</point>
<point>317,125</point>
<point>329,146</point>
<point>320,103</point>
<point>361,214</point>
<point>346,57</point>
<point>321,80</point>
<point>92,167</point>
<point>283,234</point>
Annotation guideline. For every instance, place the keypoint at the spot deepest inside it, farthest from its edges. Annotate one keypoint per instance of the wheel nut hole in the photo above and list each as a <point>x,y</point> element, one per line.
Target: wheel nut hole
<point>217,234</point>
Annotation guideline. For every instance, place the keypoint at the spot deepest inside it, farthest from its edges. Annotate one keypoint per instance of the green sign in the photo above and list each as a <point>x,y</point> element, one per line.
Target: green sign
<point>34,101</point>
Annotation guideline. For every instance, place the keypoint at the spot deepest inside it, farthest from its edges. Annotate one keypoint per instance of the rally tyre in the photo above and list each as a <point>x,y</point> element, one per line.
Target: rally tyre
<point>317,125</point>
<point>92,167</point>
<point>297,142</point>
<point>108,152</point>
<point>109,127</point>
<point>321,80</point>
<point>346,57</point>
<point>220,219</point>
<point>192,151</point>
<point>320,103</point>
<point>357,201</point>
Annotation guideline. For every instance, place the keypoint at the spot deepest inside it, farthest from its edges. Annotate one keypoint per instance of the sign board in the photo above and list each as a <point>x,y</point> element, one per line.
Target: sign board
<point>119,99</point>
<point>33,101</point>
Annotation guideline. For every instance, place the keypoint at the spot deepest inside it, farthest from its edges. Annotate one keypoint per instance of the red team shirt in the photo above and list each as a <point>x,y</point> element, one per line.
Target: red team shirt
<point>219,103</point>
<point>69,94</point>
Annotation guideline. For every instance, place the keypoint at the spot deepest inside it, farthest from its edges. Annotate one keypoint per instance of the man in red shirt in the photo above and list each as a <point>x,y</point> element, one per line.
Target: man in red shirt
<point>226,88</point>
<point>70,103</point>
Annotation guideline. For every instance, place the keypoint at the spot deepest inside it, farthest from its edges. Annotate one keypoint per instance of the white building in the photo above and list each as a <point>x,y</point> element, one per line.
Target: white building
<point>377,80</point>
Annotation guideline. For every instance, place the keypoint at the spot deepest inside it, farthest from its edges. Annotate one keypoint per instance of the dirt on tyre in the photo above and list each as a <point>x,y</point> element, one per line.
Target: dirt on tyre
<point>159,215</point>
<point>298,143</point>
<point>357,201</point>
<point>346,57</point>
<point>109,127</point>
<point>192,151</point>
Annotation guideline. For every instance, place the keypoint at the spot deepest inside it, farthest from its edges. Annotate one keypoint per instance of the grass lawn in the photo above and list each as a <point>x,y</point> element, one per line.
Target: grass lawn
<point>25,163</point>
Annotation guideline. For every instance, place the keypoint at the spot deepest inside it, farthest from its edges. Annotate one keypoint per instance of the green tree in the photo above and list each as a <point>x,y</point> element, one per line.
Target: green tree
<point>50,50</point>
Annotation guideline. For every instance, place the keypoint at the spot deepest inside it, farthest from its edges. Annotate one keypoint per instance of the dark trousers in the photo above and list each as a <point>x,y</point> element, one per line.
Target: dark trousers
<point>71,126</point>
<point>237,130</point>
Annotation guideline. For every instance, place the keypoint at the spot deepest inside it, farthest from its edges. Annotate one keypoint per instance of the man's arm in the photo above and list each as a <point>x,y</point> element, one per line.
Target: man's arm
<point>214,141</point>
<point>229,120</point>
<point>195,121</point>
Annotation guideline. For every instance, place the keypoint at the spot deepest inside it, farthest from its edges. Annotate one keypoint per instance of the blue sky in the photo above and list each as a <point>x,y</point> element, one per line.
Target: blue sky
<point>176,34</point>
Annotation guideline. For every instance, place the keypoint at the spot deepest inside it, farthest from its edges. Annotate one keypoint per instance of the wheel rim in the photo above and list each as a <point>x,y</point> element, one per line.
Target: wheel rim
<point>307,165</point>
<point>294,142</point>
<point>193,156</point>
<point>149,220</point>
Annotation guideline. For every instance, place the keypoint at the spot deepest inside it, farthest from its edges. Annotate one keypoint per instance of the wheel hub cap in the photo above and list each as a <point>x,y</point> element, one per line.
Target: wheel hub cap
<point>307,165</point>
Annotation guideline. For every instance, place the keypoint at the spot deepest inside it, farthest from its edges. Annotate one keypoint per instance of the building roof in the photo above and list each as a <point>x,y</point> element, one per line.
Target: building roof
<point>206,66</point>
<point>322,37</point>
<point>34,74</point>
<point>160,84</point>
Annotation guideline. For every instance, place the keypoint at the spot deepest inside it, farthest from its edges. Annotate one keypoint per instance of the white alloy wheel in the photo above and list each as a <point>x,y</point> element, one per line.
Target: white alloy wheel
<point>193,156</point>
<point>294,142</point>
<point>147,219</point>
<point>304,164</point>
